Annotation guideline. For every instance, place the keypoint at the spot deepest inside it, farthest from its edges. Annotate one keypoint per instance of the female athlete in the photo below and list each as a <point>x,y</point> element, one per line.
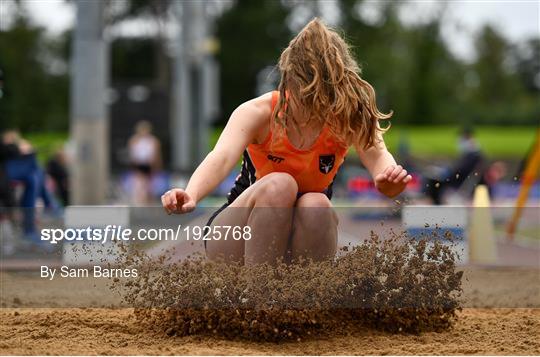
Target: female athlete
<point>293,142</point>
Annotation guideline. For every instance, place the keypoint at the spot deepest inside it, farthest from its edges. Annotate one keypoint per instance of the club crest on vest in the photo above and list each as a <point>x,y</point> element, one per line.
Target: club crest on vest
<point>326,163</point>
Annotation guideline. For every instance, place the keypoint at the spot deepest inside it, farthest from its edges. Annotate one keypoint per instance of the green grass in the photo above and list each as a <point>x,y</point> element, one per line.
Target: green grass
<point>441,141</point>
<point>424,142</point>
<point>46,143</point>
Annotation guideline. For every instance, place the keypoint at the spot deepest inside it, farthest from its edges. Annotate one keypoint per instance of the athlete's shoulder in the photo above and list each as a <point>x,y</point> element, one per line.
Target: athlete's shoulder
<point>256,110</point>
<point>261,104</point>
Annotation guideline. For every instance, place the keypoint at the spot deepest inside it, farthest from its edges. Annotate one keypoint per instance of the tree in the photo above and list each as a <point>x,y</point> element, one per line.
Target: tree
<point>436,78</point>
<point>410,68</point>
<point>34,99</point>
<point>495,83</point>
<point>251,35</point>
<point>500,96</point>
<point>527,59</point>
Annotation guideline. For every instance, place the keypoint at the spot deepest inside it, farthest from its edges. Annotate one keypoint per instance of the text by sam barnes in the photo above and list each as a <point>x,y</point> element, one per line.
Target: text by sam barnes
<point>94,272</point>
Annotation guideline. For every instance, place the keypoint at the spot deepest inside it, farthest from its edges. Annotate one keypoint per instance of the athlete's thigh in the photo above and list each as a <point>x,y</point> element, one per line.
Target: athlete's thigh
<point>273,196</point>
<point>315,228</point>
<point>235,215</point>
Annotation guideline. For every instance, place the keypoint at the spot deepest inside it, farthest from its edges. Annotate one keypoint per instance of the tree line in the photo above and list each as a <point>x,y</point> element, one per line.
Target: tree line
<point>411,67</point>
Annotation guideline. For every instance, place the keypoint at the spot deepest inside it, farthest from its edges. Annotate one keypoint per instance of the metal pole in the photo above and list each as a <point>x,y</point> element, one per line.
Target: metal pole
<point>89,125</point>
<point>181,98</point>
<point>200,59</point>
<point>192,93</point>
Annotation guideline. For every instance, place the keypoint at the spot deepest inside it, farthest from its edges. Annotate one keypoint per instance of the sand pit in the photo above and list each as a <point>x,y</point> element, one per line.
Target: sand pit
<point>33,331</point>
<point>104,331</point>
<point>508,323</point>
<point>397,285</point>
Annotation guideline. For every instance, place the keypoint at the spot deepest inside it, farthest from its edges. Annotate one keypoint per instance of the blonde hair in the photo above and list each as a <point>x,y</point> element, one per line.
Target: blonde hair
<point>319,72</point>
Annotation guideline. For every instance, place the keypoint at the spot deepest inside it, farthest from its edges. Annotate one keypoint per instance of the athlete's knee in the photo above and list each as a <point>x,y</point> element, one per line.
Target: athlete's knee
<point>314,199</point>
<point>278,189</point>
<point>315,210</point>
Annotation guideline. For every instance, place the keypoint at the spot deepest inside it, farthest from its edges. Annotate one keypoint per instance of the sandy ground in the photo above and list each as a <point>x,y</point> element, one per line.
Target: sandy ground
<point>106,331</point>
<point>482,288</point>
<point>508,323</point>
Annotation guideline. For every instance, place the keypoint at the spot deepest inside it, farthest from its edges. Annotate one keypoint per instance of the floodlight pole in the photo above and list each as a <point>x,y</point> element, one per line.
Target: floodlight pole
<point>181,96</point>
<point>199,59</point>
<point>88,112</point>
<point>190,107</point>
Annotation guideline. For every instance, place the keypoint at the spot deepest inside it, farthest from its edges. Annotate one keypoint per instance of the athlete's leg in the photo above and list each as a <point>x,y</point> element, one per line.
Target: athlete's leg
<point>314,228</point>
<point>266,207</point>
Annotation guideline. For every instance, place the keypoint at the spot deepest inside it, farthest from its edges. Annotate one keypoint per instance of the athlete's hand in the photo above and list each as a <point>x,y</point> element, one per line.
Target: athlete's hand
<point>392,181</point>
<point>177,201</point>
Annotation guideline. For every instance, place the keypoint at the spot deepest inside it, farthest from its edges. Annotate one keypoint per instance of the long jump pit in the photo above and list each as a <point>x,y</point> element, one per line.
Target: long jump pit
<point>386,292</point>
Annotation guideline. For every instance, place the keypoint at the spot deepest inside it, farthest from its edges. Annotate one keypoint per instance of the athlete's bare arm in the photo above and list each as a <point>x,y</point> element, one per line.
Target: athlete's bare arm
<point>389,177</point>
<point>246,125</point>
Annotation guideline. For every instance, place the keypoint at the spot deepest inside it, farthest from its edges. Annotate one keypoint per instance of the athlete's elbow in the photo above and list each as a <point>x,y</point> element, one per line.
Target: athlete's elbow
<point>221,159</point>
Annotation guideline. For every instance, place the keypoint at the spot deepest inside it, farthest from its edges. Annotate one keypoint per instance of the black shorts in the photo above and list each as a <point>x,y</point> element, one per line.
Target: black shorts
<point>206,228</point>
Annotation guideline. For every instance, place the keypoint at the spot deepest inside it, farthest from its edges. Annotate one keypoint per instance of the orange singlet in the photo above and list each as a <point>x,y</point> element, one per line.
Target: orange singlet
<point>313,169</point>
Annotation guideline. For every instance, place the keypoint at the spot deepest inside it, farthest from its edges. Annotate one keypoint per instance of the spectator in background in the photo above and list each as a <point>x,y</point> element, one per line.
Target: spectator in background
<point>470,164</point>
<point>20,165</point>
<point>7,152</point>
<point>7,201</point>
<point>145,159</point>
<point>57,170</point>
